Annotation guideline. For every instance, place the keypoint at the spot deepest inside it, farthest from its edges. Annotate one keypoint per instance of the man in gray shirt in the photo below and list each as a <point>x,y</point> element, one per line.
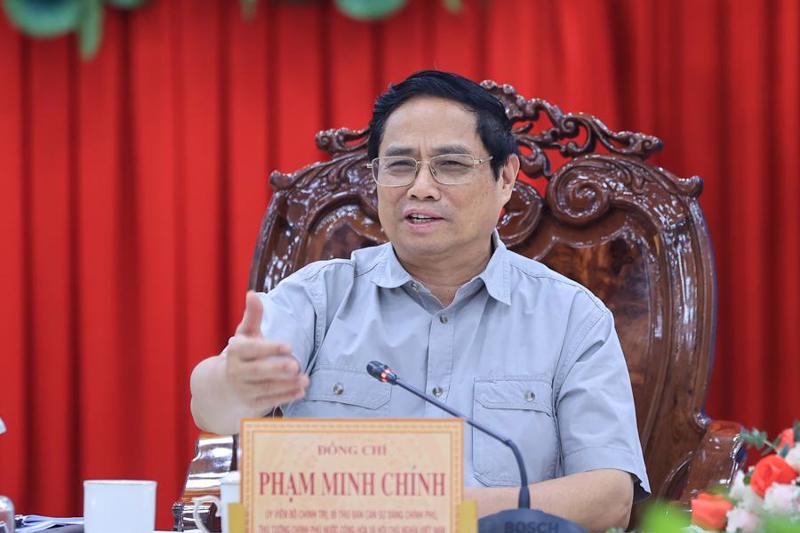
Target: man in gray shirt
<point>498,336</point>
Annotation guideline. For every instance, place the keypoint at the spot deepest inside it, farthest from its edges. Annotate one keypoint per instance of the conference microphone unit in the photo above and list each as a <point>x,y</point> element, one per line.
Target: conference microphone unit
<point>520,520</point>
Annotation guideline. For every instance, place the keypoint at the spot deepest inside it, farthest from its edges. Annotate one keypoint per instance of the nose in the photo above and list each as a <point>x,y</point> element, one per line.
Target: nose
<point>424,186</point>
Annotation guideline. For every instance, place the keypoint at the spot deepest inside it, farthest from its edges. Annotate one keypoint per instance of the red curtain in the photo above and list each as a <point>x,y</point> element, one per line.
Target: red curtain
<point>132,186</point>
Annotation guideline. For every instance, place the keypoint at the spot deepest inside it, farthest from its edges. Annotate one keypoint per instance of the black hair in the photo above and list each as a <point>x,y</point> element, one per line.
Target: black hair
<point>494,127</point>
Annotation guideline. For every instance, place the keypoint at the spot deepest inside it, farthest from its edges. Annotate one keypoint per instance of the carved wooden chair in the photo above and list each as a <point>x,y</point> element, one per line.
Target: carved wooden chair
<point>632,233</point>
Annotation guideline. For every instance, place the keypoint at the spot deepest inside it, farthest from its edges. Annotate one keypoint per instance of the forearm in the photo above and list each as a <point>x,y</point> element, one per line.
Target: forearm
<point>215,406</point>
<point>597,500</point>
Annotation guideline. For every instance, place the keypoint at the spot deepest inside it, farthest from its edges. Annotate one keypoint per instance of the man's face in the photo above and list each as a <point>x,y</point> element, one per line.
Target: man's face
<point>459,219</point>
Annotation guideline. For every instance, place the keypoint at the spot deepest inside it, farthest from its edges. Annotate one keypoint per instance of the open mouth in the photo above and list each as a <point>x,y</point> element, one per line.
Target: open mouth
<point>421,219</point>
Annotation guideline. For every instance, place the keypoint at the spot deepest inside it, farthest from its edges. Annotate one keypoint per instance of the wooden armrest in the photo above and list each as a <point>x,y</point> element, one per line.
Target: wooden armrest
<point>715,461</point>
<point>214,458</point>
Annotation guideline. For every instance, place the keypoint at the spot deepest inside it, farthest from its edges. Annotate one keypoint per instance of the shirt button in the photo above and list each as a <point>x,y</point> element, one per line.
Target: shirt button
<point>338,389</point>
<point>437,391</point>
<point>443,319</point>
<point>414,286</point>
<point>530,396</point>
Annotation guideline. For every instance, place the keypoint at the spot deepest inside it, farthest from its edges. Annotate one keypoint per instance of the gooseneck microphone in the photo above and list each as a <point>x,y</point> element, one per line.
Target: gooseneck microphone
<point>383,373</point>
<point>520,520</point>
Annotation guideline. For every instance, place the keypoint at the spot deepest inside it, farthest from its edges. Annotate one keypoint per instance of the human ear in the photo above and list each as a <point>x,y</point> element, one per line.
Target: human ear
<point>508,175</point>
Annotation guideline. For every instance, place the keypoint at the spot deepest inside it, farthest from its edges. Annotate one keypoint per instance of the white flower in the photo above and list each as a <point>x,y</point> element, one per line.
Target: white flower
<point>782,499</point>
<point>744,495</point>
<point>793,458</point>
<point>752,501</point>
<point>738,488</point>
<point>742,520</point>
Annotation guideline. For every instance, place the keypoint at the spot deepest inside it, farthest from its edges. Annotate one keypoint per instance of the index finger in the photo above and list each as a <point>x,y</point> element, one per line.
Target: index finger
<point>250,348</point>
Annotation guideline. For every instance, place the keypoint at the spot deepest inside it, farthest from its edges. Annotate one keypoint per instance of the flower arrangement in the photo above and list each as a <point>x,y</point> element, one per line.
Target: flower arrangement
<point>765,498</point>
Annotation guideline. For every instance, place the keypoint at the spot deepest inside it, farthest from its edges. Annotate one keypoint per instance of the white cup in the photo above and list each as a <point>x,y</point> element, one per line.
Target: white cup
<point>118,505</point>
<point>229,493</point>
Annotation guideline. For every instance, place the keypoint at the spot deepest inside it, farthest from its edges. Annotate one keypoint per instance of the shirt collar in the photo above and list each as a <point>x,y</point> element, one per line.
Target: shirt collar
<point>496,275</point>
<point>391,274</point>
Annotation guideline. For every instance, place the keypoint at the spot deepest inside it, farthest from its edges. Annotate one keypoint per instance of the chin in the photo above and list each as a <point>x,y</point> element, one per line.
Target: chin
<point>420,248</point>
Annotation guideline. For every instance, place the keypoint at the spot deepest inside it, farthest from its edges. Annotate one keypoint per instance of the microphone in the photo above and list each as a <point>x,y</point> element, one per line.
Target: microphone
<point>521,519</point>
<point>383,373</point>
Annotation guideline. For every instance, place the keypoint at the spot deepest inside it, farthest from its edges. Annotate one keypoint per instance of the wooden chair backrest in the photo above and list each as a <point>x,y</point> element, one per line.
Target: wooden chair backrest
<point>590,207</point>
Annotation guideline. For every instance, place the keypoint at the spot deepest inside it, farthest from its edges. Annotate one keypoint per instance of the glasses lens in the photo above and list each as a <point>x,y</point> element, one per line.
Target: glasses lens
<point>394,171</point>
<point>452,168</point>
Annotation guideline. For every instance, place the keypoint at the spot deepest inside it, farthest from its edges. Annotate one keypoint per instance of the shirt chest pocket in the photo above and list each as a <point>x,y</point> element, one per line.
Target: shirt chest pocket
<point>520,408</point>
<point>342,393</point>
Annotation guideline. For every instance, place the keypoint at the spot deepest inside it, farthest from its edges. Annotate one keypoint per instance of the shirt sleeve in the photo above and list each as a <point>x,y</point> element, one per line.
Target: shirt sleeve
<point>595,408</point>
<point>290,316</point>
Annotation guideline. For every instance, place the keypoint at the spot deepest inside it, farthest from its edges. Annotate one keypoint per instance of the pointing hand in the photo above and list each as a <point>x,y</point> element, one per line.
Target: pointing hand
<point>262,373</point>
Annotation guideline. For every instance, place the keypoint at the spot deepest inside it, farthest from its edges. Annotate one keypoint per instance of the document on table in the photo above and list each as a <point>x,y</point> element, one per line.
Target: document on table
<point>35,522</point>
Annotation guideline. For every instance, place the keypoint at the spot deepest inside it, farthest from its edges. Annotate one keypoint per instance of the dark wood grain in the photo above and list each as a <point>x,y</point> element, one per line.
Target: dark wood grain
<point>631,232</point>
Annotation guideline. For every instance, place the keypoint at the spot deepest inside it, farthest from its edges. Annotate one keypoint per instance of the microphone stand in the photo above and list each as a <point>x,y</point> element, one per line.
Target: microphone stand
<point>524,493</point>
<point>520,520</point>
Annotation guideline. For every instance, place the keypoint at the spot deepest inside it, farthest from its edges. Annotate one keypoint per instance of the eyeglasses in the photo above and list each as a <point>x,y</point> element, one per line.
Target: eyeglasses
<point>446,169</point>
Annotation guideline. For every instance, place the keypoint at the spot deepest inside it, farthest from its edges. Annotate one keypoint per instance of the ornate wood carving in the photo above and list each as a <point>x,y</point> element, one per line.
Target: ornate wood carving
<point>631,232</point>
<point>563,127</point>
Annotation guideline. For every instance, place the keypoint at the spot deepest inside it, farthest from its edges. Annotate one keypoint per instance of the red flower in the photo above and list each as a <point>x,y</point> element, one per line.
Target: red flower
<point>786,439</point>
<point>769,470</point>
<point>709,511</point>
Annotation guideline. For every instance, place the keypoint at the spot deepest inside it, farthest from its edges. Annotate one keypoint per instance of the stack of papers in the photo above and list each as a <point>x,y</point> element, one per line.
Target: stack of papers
<point>35,522</point>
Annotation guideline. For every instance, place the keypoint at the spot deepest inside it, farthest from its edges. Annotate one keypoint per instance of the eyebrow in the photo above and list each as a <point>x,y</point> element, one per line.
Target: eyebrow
<point>456,148</point>
<point>398,150</point>
<point>452,149</point>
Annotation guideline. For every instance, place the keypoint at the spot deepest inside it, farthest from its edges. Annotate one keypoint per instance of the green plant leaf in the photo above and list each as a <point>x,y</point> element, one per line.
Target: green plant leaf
<point>43,19</point>
<point>784,451</point>
<point>249,8</point>
<point>721,490</point>
<point>753,438</point>
<point>369,9</point>
<point>772,446</point>
<point>126,4</point>
<point>760,441</point>
<point>780,524</point>
<point>90,27</point>
<point>453,6</point>
<point>660,517</point>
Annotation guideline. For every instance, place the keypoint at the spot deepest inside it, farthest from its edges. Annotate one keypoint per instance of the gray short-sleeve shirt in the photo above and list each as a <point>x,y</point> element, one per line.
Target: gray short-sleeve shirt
<point>521,348</point>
